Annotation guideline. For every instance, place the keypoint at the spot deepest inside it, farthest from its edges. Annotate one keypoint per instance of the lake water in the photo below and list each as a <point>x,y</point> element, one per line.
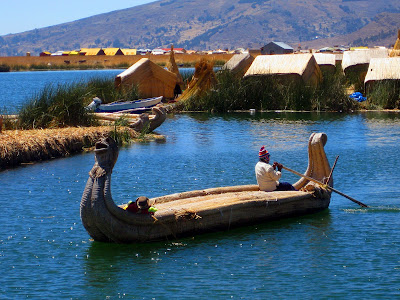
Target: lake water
<point>344,252</point>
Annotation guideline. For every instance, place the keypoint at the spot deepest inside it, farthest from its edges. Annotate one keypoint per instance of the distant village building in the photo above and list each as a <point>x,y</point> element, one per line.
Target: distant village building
<point>158,51</point>
<point>92,51</point>
<point>74,52</point>
<point>58,53</point>
<point>143,51</point>
<point>218,51</point>
<point>129,51</point>
<point>276,48</point>
<point>176,50</point>
<point>45,53</point>
<point>113,51</point>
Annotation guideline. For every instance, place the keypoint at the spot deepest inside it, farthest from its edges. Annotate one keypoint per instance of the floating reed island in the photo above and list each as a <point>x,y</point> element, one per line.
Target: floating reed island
<point>56,122</point>
<point>26,146</point>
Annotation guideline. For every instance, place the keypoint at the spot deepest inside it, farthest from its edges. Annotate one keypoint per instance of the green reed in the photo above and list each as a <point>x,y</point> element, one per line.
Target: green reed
<point>272,93</point>
<point>383,95</point>
<point>64,104</point>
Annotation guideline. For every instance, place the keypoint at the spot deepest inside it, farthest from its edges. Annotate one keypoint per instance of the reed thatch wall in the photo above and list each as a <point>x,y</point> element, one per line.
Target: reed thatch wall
<point>151,79</point>
<point>326,61</point>
<point>239,63</point>
<point>303,66</point>
<point>383,69</point>
<point>352,59</point>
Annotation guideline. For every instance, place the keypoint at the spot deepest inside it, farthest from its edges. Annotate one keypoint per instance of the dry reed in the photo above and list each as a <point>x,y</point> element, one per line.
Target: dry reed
<point>203,80</point>
<point>102,61</point>
<point>26,146</point>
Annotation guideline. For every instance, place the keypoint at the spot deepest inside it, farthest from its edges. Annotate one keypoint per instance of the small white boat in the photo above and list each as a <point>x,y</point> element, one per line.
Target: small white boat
<point>124,106</point>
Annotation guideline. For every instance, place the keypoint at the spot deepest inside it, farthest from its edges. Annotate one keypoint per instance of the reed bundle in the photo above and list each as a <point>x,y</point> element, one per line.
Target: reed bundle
<point>203,80</point>
<point>130,118</point>
<point>173,67</point>
<point>396,48</point>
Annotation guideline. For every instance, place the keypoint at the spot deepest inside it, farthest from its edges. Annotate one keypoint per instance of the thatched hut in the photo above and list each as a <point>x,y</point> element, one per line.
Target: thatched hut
<point>91,51</point>
<point>326,62</point>
<point>239,63</point>
<point>382,69</point>
<point>113,51</point>
<point>294,67</point>
<point>151,79</point>
<point>358,60</point>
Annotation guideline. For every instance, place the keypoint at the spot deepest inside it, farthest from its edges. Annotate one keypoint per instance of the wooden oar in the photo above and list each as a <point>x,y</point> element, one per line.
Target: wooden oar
<point>333,167</point>
<point>325,186</point>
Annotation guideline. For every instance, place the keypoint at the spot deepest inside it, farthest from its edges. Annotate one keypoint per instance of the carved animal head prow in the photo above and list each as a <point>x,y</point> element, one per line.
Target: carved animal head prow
<point>106,155</point>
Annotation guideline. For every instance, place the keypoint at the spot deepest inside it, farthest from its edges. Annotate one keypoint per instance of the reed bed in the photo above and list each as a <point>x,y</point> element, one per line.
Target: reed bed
<point>64,105</point>
<point>24,146</point>
<point>233,92</point>
<point>383,95</point>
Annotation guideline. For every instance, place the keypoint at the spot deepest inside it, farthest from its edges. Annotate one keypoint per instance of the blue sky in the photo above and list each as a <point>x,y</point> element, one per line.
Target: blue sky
<point>23,15</point>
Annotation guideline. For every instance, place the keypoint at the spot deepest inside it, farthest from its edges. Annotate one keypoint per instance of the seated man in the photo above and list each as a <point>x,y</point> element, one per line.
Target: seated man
<point>267,176</point>
<point>141,206</point>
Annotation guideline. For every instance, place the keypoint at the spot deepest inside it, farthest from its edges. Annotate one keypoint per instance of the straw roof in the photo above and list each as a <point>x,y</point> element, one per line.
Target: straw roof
<point>239,63</point>
<point>383,69</point>
<point>362,57</point>
<point>151,79</point>
<point>129,51</point>
<point>92,51</point>
<point>301,65</point>
<point>113,51</point>
<point>326,61</point>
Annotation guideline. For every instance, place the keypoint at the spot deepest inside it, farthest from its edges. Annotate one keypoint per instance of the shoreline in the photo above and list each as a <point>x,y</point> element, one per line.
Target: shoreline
<point>77,62</point>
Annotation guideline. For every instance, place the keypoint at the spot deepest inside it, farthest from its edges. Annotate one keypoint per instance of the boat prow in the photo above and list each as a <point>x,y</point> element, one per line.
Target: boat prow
<point>194,212</point>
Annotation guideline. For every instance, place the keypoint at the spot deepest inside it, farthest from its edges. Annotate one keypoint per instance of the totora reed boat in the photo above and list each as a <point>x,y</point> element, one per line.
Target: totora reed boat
<point>195,212</point>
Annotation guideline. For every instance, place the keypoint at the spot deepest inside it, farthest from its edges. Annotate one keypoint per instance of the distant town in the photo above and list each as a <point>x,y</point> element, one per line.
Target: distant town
<point>270,48</point>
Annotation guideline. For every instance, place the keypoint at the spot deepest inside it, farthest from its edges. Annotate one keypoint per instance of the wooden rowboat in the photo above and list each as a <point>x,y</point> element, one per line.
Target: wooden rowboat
<point>137,106</point>
<point>194,212</point>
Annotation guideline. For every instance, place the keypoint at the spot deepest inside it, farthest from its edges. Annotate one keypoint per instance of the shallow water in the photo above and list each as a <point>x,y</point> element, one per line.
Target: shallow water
<point>344,252</point>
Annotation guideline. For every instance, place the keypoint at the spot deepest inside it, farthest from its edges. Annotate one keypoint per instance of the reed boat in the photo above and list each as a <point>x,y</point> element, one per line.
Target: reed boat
<point>200,211</point>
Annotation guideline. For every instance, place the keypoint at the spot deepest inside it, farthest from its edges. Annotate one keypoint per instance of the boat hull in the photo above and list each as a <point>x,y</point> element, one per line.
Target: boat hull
<point>221,212</point>
<point>138,105</point>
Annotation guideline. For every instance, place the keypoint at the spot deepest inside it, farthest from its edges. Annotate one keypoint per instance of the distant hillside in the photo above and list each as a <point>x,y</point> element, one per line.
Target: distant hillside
<point>212,24</point>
